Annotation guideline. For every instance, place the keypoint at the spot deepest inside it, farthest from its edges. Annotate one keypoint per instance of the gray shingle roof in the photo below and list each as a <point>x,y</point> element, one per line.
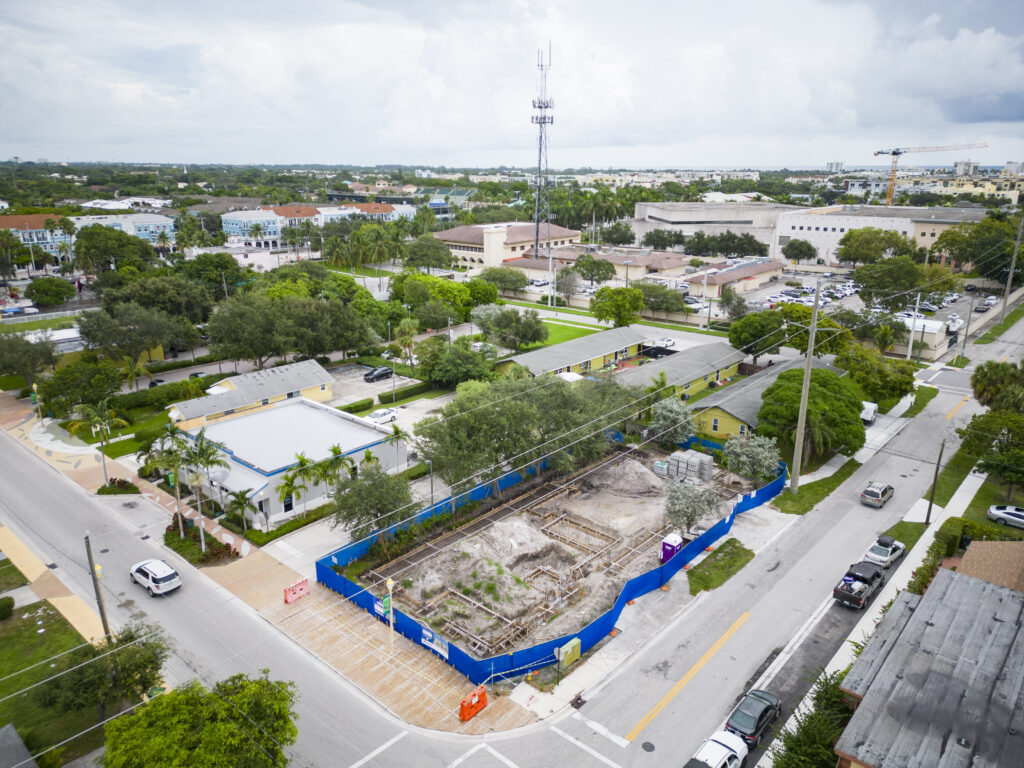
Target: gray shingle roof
<point>941,682</point>
<point>684,366</point>
<point>13,750</point>
<point>575,351</point>
<point>256,386</point>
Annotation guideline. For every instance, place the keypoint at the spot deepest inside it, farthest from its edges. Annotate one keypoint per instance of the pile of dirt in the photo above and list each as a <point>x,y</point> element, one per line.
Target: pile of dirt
<point>598,597</point>
<point>628,478</point>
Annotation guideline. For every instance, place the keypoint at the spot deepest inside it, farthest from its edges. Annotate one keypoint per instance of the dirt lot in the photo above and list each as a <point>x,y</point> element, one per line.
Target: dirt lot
<point>546,572</point>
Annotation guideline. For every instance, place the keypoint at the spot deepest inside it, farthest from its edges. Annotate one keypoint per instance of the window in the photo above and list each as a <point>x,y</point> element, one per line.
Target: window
<point>743,430</point>
<point>323,387</point>
<point>265,401</point>
<point>801,229</point>
<point>933,234</point>
<point>833,229</point>
<point>288,506</point>
<point>841,229</point>
<point>585,365</point>
<point>686,386</point>
<point>817,229</point>
<point>793,226</point>
<point>714,426</point>
<point>705,378</point>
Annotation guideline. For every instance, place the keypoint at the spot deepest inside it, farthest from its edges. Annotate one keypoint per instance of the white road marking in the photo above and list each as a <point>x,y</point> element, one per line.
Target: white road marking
<point>584,747</point>
<point>497,756</point>
<point>779,661</point>
<point>598,728</point>
<point>378,750</point>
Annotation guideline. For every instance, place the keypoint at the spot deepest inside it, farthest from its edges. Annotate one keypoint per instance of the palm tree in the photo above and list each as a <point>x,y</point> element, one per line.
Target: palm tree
<point>334,251</point>
<point>100,417</point>
<point>292,486</point>
<point>397,436</point>
<point>327,471</point>
<point>133,370</point>
<point>256,232</point>
<point>368,458</point>
<point>167,452</point>
<point>163,242</point>
<point>884,338</point>
<point>405,337</point>
<point>307,230</point>
<point>239,502</point>
<point>990,378</point>
<point>190,388</point>
<point>201,455</point>
<point>358,250</point>
<point>64,254</point>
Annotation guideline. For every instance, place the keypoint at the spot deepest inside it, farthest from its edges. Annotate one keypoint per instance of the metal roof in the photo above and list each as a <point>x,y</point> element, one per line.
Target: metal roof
<point>575,351</point>
<point>941,681</point>
<point>685,365</point>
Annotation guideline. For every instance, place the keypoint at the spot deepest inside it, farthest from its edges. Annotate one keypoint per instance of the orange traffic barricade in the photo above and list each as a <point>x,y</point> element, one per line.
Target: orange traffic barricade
<point>473,703</point>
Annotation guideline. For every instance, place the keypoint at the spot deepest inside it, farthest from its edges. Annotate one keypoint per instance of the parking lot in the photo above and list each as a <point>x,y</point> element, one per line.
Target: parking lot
<point>351,387</point>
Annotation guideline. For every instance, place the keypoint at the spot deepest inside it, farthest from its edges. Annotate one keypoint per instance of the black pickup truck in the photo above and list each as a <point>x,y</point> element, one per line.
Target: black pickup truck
<point>861,581</point>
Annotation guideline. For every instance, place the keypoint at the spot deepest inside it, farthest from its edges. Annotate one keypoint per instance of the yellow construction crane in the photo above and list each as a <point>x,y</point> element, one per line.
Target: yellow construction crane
<point>904,150</point>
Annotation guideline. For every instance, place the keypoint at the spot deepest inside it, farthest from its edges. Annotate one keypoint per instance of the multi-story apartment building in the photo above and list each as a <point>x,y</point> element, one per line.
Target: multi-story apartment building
<point>31,230</point>
<point>239,224</point>
<point>146,226</point>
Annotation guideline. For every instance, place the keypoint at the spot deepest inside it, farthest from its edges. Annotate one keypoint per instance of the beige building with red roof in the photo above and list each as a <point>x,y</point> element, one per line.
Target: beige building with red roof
<point>741,278</point>
<point>478,246</point>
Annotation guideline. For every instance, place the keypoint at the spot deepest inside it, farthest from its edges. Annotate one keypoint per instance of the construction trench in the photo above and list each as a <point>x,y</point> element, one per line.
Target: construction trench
<point>546,562</point>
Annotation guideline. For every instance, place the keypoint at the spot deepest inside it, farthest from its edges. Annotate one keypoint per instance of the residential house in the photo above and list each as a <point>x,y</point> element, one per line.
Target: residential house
<point>688,371</point>
<point>997,562</point>
<point>253,391</point>
<point>939,683</point>
<point>598,351</point>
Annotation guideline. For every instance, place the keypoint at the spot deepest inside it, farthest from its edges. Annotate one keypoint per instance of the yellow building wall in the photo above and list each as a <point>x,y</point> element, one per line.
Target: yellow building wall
<point>728,425</point>
<point>701,383</point>
<point>315,394</point>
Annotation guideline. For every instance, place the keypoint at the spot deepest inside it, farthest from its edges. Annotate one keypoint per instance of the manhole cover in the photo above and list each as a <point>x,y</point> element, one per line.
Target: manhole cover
<point>52,566</point>
<point>647,746</point>
<point>104,551</point>
<point>144,537</point>
<point>130,504</point>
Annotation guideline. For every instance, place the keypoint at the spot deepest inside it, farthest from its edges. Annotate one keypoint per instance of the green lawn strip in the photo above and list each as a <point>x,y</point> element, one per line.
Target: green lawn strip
<point>959,361</point>
<point>12,383</point>
<point>362,271</point>
<point>714,570</point>
<point>50,323</point>
<point>906,532</point>
<point>146,418</point>
<point>999,329</point>
<point>538,305</point>
<point>994,492</point>
<point>952,474</point>
<point>10,576</point>
<point>21,646</point>
<point>122,448</point>
<point>653,323</point>
<point>803,501</point>
<point>709,391</point>
<point>925,395</point>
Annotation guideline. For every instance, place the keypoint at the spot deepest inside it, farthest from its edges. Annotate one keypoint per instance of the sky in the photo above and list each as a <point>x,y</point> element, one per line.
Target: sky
<point>646,84</point>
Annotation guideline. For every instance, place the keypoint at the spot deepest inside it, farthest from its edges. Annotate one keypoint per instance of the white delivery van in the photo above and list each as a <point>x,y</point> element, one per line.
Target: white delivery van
<point>868,412</point>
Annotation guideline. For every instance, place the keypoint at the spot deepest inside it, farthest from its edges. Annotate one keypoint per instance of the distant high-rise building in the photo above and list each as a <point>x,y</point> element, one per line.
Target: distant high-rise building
<point>1014,168</point>
<point>965,168</point>
<point>834,167</point>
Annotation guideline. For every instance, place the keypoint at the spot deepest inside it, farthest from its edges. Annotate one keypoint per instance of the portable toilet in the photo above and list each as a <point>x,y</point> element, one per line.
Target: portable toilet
<point>669,546</point>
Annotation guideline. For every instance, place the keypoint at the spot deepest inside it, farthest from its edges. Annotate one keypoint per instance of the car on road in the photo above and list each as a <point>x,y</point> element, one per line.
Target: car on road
<point>720,750</point>
<point>383,415</point>
<point>970,287</point>
<point>885,551</point>
<point>156,383</point>
<point>379,374</point>
<point>664,341</point>
<point>1006,514</point>
<point>539,282</point>
<point>876,494</point>
<point>753,715</point>
<point>860,582</point>
<point>155,576</point>
<point>196,374</point>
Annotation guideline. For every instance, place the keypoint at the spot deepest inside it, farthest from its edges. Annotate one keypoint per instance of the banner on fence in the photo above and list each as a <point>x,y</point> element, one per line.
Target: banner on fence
<point>434,642</point>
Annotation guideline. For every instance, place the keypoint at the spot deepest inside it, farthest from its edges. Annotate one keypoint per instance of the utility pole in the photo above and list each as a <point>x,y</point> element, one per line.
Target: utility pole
<point>94,572</point>
<point>1013,267</point>
<point>935,482</point>
<point>967,329</point>
<point>913,326</point>
<point>801,419</point>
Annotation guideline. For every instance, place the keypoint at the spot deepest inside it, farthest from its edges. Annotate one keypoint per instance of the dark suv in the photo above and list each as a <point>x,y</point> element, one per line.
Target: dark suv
<point>379,373</point>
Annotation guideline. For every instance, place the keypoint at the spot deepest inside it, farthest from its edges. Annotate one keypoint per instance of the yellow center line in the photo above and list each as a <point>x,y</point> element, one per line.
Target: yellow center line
<point>958,406</point>
<point>686,678</point>
<point>1005,358</point>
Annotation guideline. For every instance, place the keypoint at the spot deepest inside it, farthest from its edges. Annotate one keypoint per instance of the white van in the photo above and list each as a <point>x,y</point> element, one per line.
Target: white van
<point>868,412</point>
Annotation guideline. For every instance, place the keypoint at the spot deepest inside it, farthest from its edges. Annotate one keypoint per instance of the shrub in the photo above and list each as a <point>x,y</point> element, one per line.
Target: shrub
<point>407,391</point>
<point>189,547</point>
<point>6,608</point>
<point>166,487</point>
<point>358,405</point>
<point>260,538</point>
<point>416,472</point>
<point>174,365</point>
<point>117,487</point>
<point>157,397</point>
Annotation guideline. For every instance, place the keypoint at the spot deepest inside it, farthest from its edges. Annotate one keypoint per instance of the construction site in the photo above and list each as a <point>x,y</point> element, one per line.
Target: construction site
<point>546,562</point>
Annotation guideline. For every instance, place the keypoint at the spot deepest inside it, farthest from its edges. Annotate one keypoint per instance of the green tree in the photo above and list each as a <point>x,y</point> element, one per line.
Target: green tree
<point>240,503</point>
<point>620,305</point>
<point>833,422</point>
<point>759,333</point>
<point>869,245</point>
<point>200,455</point>
<point>405,337</point>
<point>482,292</point>
<point>987,245</point>
<point>130,332</point>
<point>735,306</point>
<point>21,357</point>
<point>997,438</point>
<point>686,505</point>
<point>879,377</point>
<point>241,723</point>
<point>594,270</point>
<point>426,252</point>
<point>799,250</point>
<point>659,298</point>
<point>214,272</point>
<point>458,363</point>
<point>49,291</point>
<point>567,283</point>
<point>755,457</point>
<point>174,295</point>
<point>619,233</point>
<point>830,339</point>
<point>85,380</point>
<point>132,370</point>
<point>372,500</point>
<point>672,421</point>
<point>990,379</point>
<point>99,248</point>
<point>247,329</point>
<point>893,282</point>
<point>98,418</point>
<point>505,278</point>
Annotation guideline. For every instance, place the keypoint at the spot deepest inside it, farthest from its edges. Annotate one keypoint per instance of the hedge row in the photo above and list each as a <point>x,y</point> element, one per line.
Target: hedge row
<point>159,396</point>
<point>416,472</point>
<point>946,544</point>
<point>358,405</point>
<point>6,608</point>
<point>174,365</point>
<point>260,538</point>
<point>190,549</point>
<point>407,391</point>
<point>117,487</point>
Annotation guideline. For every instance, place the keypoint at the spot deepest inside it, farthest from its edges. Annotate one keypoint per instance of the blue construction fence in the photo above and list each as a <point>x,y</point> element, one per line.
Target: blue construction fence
<point>516,663</point>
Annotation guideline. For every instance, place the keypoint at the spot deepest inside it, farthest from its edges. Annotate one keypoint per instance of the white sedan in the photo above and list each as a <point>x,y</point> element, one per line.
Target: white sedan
<point>664,341</point>
<point>383,415</point>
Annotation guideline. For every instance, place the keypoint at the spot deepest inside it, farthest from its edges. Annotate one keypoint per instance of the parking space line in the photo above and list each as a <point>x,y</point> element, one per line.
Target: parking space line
<point>378,750</point>
<point>584,747</point>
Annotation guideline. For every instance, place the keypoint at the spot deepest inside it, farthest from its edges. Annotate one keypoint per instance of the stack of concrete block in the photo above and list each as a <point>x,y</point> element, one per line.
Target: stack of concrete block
<point>690,465</point>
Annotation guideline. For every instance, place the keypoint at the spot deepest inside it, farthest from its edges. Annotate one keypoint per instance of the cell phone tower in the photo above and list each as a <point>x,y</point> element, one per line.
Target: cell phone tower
<point>542,118</point>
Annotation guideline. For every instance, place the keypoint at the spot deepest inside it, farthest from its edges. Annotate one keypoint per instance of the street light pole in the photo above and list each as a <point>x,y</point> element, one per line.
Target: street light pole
<point>935,482</point>
<point>430,466</point>
<point>391,614</point>
<point>35,396</point>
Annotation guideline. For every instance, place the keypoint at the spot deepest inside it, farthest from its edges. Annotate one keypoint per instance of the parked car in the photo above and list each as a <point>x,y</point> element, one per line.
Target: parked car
<point>970,287</point>
<point>155,576</point>
<point>876,494</point>
<point>377,374</point>
<point>927,306</point>
<point>383,415</point>
<point>195,374</point>
<point>990,300</point>
<point>860,582</point>
<point>30,310</point>
<point>156,383</point>
<point>982,308</point>
<point>752,716</point>
<point>885,551</point>
<point>539,282</point>
<point>720,750</point>
<point>665,341</point>
<point>1005,514</point>
<point>868,412</point>
<point>953,296</point>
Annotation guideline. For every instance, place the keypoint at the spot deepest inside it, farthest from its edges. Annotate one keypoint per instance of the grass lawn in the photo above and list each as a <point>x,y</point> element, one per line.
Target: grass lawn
<point>952,474</point>
<point>142,418</point>
<point>361,271</point>
<point>22,645</point>
<point>994,492</point>
<point>653,323</point>
<point>999,329</point>
<point>50,323</point>
<point>709,391</point>
<point>906,532</point>
<point>10,576</point>
<point>539,305</point>
<point>559,333</point>
<point>714,570</point>
<point>959,361</point>
<point>803,501</point>
<point>12,383</point>
<point>925,395</point>
<point>808,464</point>
<point>129,446</point>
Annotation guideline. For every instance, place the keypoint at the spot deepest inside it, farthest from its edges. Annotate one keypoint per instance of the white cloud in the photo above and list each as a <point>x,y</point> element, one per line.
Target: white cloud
<point>646,84</point>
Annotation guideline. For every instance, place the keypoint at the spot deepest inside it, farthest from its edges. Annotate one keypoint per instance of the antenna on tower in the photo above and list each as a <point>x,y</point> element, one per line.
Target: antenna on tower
<point>542,118</point>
